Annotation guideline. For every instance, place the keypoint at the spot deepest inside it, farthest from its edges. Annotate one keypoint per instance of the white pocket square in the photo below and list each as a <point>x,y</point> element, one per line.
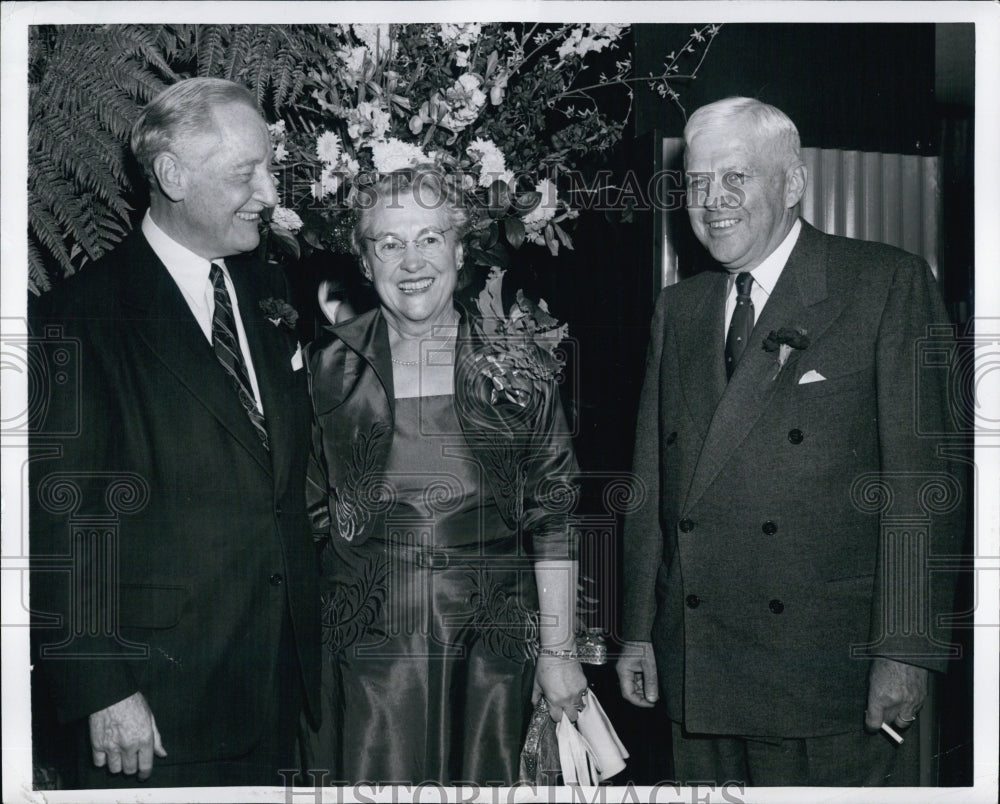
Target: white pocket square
<point>811,376</point>
<point>297,357</point>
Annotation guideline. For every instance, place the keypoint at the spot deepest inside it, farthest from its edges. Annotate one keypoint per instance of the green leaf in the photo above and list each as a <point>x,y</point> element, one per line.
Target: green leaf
<point>312,237</point>
<point>287,241</point>
<point>526,202</point>
<point>550,240</point>
<point>514,230</point>
<point>564,238</point>
<point>490,236</point>
<point>498,199</point>
<point>496,256</point>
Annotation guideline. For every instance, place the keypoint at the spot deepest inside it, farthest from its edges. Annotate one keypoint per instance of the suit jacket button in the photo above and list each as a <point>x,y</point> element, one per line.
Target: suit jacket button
<point>276,579</point>
<point>776,606</point>
<point>671,438</point>
<point>686,525</point>
<point>692,601</point>
<point>795,436</point>
<point>769,528</point>
<point>277,510</point>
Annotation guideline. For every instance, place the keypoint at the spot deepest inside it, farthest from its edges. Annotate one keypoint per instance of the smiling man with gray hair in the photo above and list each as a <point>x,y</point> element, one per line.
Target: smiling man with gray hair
<point>769,594</point>
<point>192,631</point>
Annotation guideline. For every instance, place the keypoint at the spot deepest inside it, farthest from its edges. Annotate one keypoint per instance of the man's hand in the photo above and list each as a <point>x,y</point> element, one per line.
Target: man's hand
<point>895,694</point>
<point>124,736</point>
<point>636,669</point>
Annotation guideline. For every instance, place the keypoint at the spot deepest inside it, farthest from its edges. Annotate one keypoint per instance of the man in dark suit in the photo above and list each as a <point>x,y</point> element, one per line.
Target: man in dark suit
<point>187,626</point>
<point>776,586</point>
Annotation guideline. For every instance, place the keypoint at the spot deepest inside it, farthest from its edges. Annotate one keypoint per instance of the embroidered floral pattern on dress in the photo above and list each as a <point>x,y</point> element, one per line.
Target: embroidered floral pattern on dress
<point>500,457</point>
<point>349,611</point>
<point>508,628</point>
<point>360,496</point>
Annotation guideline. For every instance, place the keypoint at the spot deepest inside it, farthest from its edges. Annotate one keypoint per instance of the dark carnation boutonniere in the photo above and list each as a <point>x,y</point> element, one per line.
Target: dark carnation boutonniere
<point>278,311</point>
<point>782,342</point>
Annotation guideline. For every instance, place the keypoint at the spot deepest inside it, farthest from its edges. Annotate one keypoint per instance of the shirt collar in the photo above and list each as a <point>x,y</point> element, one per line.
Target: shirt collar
<point>766,274</point>
<point>188,269</point>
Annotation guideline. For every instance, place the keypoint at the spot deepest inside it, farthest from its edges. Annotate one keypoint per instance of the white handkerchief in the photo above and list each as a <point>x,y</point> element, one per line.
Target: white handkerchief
<point>297,357</point>
<point>589,750</point>
<point>609,751</point>
<point>811,376</point>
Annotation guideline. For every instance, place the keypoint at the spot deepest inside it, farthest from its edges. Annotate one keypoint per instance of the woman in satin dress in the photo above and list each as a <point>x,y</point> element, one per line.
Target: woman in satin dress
<point>449,570</point>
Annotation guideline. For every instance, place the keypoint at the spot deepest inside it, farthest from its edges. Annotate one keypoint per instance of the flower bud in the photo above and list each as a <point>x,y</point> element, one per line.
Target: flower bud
<point>496,95</point>
<point>416,124</point>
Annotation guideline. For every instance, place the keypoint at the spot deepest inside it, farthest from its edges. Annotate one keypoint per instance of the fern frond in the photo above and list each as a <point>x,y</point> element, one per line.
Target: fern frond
<point>38,276</point>
<point>262,62</point>
<point>140,43</point>
<point>137,83</point>
<point>175,42</point>
<point>59,196</point>
<point>283,77</point>
<point>47,231</point>
<point>236,53</point>
<point>116,112</point>
<point>69,149</point>
<point>209,49</point>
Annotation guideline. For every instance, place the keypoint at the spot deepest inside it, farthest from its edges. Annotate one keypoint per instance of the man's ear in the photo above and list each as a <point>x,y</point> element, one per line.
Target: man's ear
<point>795,184</point>
<point>169,175</point>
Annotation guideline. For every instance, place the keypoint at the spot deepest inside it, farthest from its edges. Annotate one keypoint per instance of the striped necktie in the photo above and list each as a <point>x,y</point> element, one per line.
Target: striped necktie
<point>227,350</point>
<point>742,323</point>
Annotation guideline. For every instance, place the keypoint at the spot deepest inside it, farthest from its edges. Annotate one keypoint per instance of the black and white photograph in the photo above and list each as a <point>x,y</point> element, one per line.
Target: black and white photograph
<point>537,401</point>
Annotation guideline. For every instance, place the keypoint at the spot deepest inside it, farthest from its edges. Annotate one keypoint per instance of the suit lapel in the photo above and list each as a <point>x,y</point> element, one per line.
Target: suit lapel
<point>154,307</point>
<point>799,300</point>
<point>700,355</point>
<point>271,349</point>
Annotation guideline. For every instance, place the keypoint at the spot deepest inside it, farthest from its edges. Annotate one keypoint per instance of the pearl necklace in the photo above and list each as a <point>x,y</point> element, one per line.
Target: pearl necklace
<point>424,359</point>
<point>406,362</point>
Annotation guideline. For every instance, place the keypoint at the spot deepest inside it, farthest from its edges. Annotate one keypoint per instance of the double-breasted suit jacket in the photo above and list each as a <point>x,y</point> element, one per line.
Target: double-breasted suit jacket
<point>211,555</point>
<point>780,514</point>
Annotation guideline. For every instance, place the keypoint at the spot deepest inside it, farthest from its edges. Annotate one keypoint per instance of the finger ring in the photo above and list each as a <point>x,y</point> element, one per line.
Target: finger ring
<point>907,719</point>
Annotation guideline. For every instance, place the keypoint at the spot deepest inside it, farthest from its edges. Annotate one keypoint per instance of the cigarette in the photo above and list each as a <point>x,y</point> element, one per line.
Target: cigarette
<point>892,733</point>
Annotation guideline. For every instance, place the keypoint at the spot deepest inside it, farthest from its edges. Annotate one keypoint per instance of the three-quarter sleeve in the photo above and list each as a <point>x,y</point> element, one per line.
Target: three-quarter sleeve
<point>551,485</point>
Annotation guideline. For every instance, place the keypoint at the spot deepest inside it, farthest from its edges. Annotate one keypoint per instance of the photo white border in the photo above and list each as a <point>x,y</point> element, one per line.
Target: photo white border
<point>16,17</point>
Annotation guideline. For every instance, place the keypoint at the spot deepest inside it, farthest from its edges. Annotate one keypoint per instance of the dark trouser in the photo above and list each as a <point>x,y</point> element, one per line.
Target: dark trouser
<point>275,751</point>
<point>855,759</point>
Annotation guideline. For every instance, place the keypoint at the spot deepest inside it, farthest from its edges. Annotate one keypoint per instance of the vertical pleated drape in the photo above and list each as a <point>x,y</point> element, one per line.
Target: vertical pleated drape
<point>888,198</point>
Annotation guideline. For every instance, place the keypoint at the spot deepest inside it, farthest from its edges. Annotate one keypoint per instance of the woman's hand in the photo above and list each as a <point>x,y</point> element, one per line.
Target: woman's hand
<point>563,684</point>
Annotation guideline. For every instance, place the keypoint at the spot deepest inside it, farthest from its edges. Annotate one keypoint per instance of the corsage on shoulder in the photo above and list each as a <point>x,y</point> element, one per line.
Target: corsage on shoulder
<point>522,354</point>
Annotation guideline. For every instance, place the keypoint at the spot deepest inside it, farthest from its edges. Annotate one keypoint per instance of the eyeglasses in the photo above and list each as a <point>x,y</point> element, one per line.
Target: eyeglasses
<point>390,248</point>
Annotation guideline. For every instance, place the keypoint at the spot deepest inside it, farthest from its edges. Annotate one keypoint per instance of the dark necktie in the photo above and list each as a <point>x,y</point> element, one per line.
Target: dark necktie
<point>227,349</point>
<point>741,324</point>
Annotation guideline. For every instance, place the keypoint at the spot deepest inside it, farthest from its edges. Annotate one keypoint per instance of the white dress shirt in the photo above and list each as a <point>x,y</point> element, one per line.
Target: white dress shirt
<point>765,276</point>
<point>191,273</point>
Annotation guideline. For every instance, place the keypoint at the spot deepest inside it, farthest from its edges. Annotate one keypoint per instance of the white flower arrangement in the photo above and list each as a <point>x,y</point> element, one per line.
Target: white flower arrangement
<point>392,154</point>
<point>285,218</point>
<point>506,106</point>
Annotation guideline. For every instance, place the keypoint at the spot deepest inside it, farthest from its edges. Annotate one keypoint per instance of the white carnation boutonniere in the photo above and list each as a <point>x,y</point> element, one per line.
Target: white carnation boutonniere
<point>783,342</point>
<point>279,312</point>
